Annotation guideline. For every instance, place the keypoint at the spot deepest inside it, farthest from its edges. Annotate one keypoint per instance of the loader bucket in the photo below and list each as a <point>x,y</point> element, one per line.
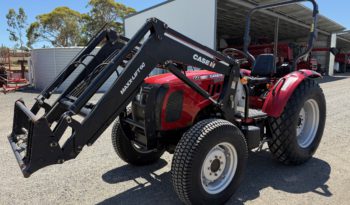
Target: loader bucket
<point>31,141</point>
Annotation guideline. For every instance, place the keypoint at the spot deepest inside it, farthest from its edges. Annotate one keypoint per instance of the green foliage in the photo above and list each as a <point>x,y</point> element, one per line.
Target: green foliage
<point>16,24</point>
<point>106,12</point>
<point>62,28</point>
<point>65,27</point>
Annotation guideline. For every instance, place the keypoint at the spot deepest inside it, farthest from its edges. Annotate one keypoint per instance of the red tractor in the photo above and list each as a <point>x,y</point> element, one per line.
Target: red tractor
<point>208,118</point>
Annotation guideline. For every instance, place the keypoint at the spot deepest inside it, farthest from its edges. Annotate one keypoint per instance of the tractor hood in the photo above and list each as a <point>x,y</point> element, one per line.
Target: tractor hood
<point>169,78</point>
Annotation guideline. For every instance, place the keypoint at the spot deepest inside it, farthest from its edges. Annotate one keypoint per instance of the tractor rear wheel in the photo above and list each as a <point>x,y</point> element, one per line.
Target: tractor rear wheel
<point>209,162</point>
<point>129,151</point>
<point>296,134</point>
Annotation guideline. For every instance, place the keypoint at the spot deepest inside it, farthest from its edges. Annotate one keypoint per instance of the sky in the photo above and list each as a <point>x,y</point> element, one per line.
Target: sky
<point>34,8</point>
<point>336,10</point>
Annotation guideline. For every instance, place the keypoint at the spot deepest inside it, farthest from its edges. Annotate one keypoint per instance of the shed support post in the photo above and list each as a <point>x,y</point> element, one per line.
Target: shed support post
<point>275,49</point>
<point>331,59</point>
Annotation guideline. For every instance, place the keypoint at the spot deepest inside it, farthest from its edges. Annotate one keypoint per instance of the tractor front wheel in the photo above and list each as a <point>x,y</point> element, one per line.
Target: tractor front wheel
<point>296,134</point>
<point>209,162</point>
<point>129,151</point>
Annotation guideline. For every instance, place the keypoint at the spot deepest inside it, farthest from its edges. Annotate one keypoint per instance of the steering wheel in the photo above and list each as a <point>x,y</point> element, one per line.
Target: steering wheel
<point>230,52</point>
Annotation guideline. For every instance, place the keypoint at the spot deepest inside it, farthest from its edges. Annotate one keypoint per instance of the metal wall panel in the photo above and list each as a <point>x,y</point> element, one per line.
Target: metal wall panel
<point>46,64</point>
<point>195,19</point>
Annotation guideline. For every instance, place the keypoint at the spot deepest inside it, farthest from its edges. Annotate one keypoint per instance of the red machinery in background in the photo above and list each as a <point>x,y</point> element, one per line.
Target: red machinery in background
<point>12,79</point>
<point>341,57</point>
<point>12,84</point>
<point>344,61</point>
<point>286,53</point>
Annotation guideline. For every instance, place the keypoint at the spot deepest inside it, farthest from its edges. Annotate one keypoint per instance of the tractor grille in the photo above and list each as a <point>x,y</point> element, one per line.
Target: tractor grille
<point>174,106</point>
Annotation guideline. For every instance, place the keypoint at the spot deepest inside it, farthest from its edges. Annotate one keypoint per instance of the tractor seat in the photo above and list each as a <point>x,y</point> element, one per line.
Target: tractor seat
<point>263,69</point>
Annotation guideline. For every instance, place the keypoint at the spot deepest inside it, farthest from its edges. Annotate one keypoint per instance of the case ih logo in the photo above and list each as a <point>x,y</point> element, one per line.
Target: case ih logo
<point>127,85</point>
<point>204,61</point>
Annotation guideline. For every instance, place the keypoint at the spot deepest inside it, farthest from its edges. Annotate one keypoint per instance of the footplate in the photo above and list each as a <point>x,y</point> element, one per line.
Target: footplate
<point>32,141</point>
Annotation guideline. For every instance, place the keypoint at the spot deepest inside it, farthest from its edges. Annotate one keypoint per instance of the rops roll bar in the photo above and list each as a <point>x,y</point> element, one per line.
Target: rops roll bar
<point>313,27</point>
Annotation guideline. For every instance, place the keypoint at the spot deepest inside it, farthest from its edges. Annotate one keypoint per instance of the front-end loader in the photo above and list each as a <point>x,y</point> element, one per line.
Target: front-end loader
<point>208,118</point>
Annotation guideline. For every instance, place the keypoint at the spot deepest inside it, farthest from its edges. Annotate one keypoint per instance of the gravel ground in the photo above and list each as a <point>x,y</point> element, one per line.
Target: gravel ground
<point>97,176</point>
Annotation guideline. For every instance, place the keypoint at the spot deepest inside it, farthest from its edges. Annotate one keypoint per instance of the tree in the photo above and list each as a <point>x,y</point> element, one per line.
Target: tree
<point>62,28</point>
<point>16,25</point>
<point>105,12</point>
<point>4,51</point>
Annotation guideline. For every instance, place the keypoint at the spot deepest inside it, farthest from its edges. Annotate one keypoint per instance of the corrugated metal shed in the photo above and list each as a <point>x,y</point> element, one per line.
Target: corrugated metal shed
<point>294,20</point>
<point>47,63</point>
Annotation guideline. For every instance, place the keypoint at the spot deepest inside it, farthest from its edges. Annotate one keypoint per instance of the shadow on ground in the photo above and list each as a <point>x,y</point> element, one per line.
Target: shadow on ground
<point>28,89</point>
<point>150,189</point>
<point>34,90</point>
<point>262,172</point>
<point>336,77</point>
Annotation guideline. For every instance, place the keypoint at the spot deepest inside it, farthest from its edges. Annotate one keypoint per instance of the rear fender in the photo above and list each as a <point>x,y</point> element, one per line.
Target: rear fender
<point>278,97</point>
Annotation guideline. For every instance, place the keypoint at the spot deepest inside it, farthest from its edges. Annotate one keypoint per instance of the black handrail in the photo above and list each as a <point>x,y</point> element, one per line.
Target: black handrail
<point>313,27</point>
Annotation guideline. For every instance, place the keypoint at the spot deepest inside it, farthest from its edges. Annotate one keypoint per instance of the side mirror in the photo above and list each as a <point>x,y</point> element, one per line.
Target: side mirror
<point>334,51</point>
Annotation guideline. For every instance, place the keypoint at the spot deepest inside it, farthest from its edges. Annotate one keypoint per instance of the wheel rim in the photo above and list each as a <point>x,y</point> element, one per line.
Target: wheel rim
<point>219,168</point>
<point>308,121</point>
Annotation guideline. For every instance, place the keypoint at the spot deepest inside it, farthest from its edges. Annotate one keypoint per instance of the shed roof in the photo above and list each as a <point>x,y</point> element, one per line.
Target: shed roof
<point>343,40</point>
<point>295,19</point>
<point>303,14</point>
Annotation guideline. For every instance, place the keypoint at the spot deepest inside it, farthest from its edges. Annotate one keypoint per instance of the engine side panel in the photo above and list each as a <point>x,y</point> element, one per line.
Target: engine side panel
<point>190,102</point>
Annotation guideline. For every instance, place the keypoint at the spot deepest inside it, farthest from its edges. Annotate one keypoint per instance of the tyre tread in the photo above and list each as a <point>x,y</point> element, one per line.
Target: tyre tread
<point>281,137</point>
<point>186,149</point>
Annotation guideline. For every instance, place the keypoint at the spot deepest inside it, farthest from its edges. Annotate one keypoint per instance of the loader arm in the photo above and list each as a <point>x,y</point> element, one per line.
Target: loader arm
<point>36,139</point>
